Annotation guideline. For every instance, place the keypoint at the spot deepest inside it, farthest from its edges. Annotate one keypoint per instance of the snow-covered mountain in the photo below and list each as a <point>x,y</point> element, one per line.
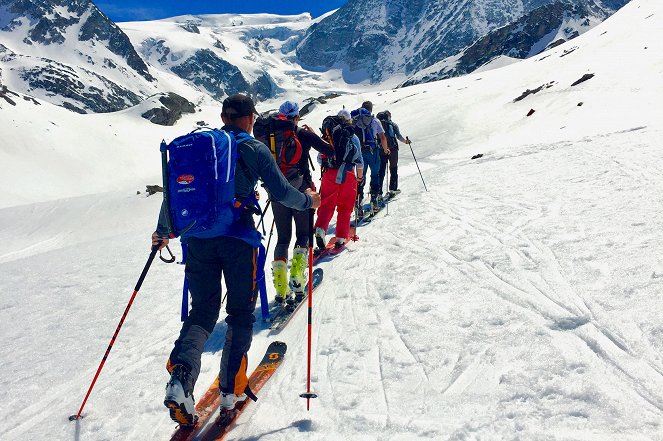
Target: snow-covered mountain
<point>222,54</point>
<point>69,53</point>
<point>519,298</point>
<point>379,39</point>
<point>72,55</point>
<point>538,30</point>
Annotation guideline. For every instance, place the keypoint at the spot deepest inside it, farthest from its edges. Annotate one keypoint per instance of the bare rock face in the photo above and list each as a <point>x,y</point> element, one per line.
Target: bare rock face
<point>173,107</point>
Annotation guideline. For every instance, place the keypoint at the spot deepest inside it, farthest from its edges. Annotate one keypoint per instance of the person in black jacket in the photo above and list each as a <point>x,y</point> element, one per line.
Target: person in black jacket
<point>234,257</point>
<point>393,134</point>
<point>284,215</point>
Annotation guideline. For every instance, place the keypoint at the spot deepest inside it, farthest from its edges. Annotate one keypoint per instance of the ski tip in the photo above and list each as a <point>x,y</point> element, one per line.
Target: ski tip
<point>279,344</point>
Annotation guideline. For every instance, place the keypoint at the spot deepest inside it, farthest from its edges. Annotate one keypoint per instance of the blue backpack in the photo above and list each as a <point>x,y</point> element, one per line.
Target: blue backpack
<point>362,120</point>
<point>199,183</point>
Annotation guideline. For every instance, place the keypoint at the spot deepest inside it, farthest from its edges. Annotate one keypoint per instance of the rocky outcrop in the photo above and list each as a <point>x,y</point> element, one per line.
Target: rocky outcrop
<point>173,107</point>
<point>220,78</point>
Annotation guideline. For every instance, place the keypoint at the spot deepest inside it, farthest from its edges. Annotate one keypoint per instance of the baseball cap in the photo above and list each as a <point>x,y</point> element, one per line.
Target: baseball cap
<point>289,109</point>
<point>345,115</point>
<point>237,106</point>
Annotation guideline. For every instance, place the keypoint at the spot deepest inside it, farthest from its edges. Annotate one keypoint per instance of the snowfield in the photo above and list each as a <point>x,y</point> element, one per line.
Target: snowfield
<point>518,299</point>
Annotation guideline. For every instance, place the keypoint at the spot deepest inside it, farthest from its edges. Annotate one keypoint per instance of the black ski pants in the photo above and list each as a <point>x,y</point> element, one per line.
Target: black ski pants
<point>283,217</point>
<point>207,260</point>
<point>393,169</point>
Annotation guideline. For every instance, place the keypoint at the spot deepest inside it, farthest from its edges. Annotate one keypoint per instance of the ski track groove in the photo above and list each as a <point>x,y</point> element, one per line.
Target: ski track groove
<point>553,284</point>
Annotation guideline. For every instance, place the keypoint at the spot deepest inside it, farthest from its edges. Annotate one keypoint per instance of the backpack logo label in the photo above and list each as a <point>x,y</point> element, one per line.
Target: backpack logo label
<point>185,179</point>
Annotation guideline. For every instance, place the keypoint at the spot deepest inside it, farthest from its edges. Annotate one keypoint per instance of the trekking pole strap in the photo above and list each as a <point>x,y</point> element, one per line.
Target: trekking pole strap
<point>171,259</point>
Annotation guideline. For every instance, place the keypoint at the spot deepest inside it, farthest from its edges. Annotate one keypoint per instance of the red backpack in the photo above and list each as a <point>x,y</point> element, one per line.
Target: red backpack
<point>278,133</point>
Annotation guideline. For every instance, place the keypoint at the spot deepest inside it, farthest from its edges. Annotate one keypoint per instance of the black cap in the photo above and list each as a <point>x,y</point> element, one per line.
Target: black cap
<point>237,106</point>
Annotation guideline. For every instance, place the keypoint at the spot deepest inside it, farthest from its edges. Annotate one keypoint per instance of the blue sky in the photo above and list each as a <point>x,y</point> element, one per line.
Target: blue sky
<point>127,10</point>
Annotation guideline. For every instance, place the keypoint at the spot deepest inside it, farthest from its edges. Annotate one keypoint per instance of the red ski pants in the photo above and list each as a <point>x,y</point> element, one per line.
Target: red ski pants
<point>337,196</point>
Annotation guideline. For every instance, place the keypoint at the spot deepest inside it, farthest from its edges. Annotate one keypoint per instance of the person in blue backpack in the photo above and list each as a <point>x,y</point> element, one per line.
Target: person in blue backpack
<point>370,132</point>
<point>234,255</point>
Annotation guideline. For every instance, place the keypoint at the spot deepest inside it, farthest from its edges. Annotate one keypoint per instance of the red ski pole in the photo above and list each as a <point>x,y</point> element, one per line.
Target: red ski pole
<point>117,330</point>
<point>308,395</point>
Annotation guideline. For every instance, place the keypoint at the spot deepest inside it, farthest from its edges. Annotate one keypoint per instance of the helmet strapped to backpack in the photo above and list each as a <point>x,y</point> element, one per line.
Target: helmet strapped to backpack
<point>278,133</point>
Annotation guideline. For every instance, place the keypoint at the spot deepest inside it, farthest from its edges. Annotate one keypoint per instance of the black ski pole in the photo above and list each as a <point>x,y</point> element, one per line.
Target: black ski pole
<point>387,176</point>
<point>271,231</point>
<point>117,330</point>
<point>415,161</point>
<point>262,216</point>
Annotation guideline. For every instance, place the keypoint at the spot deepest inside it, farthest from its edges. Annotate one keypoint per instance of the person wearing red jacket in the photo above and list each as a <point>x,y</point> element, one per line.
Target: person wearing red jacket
<point>338,190</point>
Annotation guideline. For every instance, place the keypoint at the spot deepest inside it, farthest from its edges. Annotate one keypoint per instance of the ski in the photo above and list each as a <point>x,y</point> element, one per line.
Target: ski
<point>284,314</point>
<point>209,402</point>
<point>369,214</point>
<point>331,249</point>
<point>226,419</point>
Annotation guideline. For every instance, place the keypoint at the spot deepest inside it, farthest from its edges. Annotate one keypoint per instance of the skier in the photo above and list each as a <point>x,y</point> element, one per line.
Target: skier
<point>369,130</point>
<point>235,256</point>
<point>338,189</point>
<point>393,135</point>
<point>283,216</point>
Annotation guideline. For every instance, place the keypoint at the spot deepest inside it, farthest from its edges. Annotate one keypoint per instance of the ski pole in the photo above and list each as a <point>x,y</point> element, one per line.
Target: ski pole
<point>387,203</point>
<point>271,231</point>
<point>308,394</point>
<point>262,216</point>
<point>415,161</point>
<point>117,330</point>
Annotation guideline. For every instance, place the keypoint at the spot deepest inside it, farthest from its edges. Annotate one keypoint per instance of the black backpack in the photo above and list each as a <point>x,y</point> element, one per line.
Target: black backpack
<point>279,134</point>
<point>339,135</point>
<point>388,128</point>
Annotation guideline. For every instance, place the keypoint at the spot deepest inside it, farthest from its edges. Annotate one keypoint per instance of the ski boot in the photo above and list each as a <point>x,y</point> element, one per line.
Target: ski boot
<point>280,274</point>
<point>230,400</point>
<point>375,207</point>
<point>298,273</point>
<point>359,208</point>
<point>320,238</point>
<point>179,396</point>
<point>360,211</point>
<point>339,244</point>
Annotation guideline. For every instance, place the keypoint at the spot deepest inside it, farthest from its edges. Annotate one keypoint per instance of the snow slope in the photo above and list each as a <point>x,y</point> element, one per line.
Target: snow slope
<point>519,298</point>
